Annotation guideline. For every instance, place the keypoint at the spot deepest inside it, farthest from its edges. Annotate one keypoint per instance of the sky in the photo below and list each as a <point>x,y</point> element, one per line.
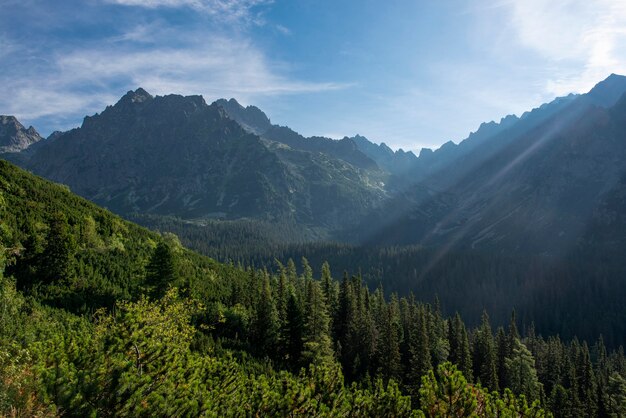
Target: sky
<point>410,73</point>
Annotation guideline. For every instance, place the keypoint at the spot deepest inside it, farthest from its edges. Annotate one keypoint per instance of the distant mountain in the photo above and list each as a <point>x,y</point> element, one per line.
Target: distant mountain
<point>251,118</point>
<point>176,155</point>
<point>539,183</point>
<point>255,121</point>
<point>14,137</point>
<point>395,162</point>
<point>542,185</point>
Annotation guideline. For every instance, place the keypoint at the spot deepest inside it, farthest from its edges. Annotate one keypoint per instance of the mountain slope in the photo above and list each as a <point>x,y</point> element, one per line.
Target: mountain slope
<point>257,122</point>
<point>532,188</point>
<point>176,155</point>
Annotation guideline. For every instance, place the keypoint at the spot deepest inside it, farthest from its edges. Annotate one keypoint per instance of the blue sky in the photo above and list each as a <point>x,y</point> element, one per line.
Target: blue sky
<point>411,73</point>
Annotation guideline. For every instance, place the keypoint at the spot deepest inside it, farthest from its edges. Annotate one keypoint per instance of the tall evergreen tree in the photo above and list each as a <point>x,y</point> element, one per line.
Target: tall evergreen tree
<point>522,376</point>
<point>58,255</point>
<point>317,341</point>
<point>282,293</point>
<point>419,347</point>
<point>265,325</point>
<point>439,346</point>
<point>389,344</point>
<point>616,394</point>
<point>484,356</point>
<point>162,270</point>
<point>503,353</point>
<point>345,328</point>
<point>586,381</point>
<point>293,333</point>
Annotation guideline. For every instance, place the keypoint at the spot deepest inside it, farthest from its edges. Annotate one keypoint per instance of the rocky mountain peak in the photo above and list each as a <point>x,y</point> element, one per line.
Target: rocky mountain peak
<point>608,91</point>
<point>137,96</point>
<point>251,118</point>
<point>14,137</point>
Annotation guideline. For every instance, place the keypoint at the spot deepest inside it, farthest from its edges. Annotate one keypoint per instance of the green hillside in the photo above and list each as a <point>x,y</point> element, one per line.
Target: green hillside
<point>100,317</point>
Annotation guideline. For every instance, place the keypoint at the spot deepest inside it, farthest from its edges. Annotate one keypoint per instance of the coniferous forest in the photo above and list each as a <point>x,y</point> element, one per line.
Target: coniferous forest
<point>279,208</point>
<point>100,317</point>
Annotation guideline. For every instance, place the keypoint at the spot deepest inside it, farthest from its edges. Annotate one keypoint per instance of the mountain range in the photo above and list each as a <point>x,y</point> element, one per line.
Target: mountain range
<point>545,182</point>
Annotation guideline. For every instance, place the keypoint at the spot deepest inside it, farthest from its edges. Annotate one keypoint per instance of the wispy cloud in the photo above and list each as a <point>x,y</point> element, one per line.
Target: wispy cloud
<point>56,87</point>
<point>82,81</point>
<point>225,9</point>
<point>575,35</point>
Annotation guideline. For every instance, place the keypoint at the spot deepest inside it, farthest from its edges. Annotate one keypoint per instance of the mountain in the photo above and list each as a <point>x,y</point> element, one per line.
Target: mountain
<point>14,137</point>
<point>395,162</point>
<point>257,122</point>
<point>250,118</point>
<point>175,155</point>
<point>537,186</point>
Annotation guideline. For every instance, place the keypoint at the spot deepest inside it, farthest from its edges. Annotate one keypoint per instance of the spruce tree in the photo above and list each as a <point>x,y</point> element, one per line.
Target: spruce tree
<point>419,348</point>
<point>317,341</point>
<point>293,333</point>
<point>389,346</point>
<point>58,255</point>
<point>266,326</point>
<point>162,270</point>
<point>484,357</point>
<point>503,354</point>
<point>522,376</point>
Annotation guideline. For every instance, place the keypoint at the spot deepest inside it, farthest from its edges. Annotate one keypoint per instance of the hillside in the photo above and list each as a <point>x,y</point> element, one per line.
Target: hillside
<point>235,342</point>
<point>91,324</point>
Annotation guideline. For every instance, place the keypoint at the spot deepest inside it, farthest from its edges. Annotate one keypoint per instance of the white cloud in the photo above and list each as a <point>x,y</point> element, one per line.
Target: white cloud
<point>85,80</point>
<point>584,39</point>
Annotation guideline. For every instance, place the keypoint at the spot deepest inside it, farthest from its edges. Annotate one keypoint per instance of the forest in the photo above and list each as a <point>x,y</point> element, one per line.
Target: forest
<point>586,284</point>
<point>101,317</point>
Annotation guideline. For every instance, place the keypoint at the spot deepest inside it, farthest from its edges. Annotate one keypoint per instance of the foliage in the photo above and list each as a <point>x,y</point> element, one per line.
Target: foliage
<point>99,317</point>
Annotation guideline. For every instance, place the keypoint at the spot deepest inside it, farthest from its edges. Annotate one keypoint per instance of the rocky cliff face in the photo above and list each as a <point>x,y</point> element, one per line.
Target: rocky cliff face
<point>257,122</point>
<point>176,155</point>
<point>14,137</point>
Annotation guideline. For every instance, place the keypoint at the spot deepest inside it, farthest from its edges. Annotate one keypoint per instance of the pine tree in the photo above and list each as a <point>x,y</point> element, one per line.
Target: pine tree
<point>162,270</point>
<point>317,342</point>
<point>282,293</point>
<point>419,348</point>
<point>58,255</point>
<point>616,394</point>
<point>503,354</point>
<point>293,333</point>
<point>345,329</point>
<point>265,326</point>
<point>389,346</point>
<point>465,359</point>
<point>559,402</point>
<point>439,346</point>
<point>520,369</point>
<point>484,356</point>
<point>586,381</point>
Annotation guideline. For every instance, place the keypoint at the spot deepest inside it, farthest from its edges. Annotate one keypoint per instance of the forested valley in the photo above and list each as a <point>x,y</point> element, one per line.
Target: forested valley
<point>100,317</point>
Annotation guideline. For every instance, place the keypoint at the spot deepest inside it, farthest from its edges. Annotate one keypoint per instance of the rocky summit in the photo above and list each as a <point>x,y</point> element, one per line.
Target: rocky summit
<point>14,137</point>
<point>175,155</point>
